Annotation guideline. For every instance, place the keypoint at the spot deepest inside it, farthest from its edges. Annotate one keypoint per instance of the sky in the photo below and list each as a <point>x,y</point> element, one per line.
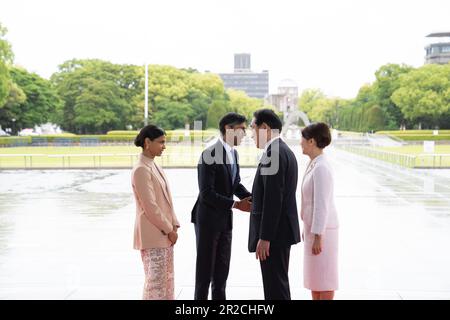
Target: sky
<point>333,45</point>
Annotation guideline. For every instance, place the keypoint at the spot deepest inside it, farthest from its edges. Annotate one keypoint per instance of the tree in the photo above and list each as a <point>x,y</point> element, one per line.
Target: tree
<point>6,58</point>
<point>98,108</point>
<point>32,100</point>
<point>216,111</point>
<point>318,106</point>
<point>172,115</point>
<point>387,81</point>
<point>240,103</point>
<point>11,109</point>
<point>424,93</point>
<point>98,95</point>
<point>42,102</point>
<point>185,86</point>
<point>308,99</point>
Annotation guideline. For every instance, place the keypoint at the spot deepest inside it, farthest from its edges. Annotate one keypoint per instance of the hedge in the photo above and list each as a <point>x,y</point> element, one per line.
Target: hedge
<point>8,141</point>
<point>168,132</point>
<point>66,139</point>
<point>424,137</point>
<point>413,132</point>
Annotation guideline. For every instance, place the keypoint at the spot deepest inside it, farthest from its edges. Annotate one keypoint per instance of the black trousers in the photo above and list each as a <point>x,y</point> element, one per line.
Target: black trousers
<point>275,274</point>
<point>213,262</point>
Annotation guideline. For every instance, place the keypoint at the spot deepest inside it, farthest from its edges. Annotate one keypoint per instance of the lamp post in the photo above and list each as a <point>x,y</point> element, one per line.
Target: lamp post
<point>146,96</point>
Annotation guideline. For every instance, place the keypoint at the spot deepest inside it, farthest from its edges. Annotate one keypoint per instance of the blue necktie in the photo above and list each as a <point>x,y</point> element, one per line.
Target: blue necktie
<point>233,168</point>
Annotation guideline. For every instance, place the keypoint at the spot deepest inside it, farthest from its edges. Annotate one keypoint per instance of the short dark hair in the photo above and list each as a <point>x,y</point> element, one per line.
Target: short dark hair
<point>231,118</point>
<point>151,131</point>
<point>320,132</point>
<point>269,117</point>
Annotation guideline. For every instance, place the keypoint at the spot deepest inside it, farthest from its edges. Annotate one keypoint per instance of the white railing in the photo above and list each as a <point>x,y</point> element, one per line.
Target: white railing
<point>422,160</point>
<point>106,160</point>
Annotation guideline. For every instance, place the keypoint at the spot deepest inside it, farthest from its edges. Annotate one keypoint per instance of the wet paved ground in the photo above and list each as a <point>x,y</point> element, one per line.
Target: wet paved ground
<point>68,234</point>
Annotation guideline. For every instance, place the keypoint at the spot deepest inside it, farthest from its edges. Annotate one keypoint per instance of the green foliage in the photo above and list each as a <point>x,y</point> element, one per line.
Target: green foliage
<point>32,100</point>
<point>100,96</point>
<point>400,96</point>
<point>172,114</point>
<point>6,58</point>
<point>424,93</point>
<point>412,132</point>
<point>216,112</point>
<point>239,102</point>
<point>417,135</point>
<point>387,81</point>
<point>123,132</point>
<point>12,141</point>
<point>319,107</point>
<point>412,137</point>
<point>97,95</point>
<point>310,99</point>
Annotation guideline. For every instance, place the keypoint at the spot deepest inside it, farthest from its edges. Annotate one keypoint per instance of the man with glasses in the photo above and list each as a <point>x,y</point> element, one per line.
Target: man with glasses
<point>218,181</point>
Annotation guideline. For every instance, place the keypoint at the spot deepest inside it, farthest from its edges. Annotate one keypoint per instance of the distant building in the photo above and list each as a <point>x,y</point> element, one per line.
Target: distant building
<point>438,51</point>
<point>242,62</point>
<point>255,84</point>
<point>286,99</point>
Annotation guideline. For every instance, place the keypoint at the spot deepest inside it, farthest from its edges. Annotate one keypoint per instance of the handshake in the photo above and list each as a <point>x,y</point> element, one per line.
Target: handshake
<point>244,204</point>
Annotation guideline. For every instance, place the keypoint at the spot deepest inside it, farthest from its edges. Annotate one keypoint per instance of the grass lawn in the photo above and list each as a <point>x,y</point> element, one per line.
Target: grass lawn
<point>107,156</point>
<point>440,158</point>
<point>417,149</point>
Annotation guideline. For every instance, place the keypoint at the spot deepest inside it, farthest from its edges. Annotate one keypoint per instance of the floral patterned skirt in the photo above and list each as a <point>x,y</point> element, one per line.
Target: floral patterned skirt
<point>159,273</point>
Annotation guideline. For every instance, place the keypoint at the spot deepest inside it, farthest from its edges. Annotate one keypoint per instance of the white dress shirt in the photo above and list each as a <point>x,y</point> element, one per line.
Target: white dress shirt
<point>229,150</point>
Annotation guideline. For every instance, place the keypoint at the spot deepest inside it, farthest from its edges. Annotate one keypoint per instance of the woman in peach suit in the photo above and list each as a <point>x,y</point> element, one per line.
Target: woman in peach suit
<point>318,212</point>
<point>156,225</point>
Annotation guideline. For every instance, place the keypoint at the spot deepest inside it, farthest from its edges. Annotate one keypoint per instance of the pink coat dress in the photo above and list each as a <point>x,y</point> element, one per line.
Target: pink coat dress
<point>319,215</point>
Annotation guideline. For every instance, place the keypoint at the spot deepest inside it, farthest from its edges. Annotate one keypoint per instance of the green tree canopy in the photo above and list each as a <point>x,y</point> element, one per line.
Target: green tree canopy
<point>98,95</point>
<point>32,100</point>
<point>6,58</point>
<point>424,93</point>
<point>241,103</point>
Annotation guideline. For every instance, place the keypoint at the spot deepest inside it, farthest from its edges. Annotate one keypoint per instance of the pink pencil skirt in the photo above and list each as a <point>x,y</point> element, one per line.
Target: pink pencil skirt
<point>320,272</point>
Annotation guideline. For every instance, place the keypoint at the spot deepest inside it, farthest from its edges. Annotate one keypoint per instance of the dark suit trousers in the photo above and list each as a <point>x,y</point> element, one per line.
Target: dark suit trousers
<point>275,274</point>
<point>213,262</point>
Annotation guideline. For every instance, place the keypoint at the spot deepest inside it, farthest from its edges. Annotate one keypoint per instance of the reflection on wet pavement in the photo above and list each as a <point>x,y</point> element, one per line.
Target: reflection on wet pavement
<point>68,234</point>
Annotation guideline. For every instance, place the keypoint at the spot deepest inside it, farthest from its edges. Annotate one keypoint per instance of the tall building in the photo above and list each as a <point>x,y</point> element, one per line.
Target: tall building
<point>242,62</point>
<point>255,84</point>
<point>438,50</point>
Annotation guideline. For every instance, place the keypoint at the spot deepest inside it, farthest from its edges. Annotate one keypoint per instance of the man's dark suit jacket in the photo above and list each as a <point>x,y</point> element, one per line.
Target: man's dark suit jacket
<point>216,190</point>
<point>274,215</point>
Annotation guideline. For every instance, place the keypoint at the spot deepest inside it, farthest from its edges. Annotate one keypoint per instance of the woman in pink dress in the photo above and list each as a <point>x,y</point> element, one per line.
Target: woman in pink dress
<point>155,231</point>
<point>318,212</point>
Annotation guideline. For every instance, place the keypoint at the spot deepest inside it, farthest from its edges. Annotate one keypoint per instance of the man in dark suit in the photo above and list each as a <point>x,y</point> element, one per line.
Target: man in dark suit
<point>218,181</point>
<point>274,225</point>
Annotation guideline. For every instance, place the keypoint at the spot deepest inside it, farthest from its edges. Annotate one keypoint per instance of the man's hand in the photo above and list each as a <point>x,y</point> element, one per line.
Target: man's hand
<point>244,204</point>
<point>262,250</point>
<point>173,237</point>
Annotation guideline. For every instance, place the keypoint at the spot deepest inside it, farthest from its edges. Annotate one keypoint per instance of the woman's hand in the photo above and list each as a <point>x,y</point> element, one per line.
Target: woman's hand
<point>317,245</point>
<point>173,237</point>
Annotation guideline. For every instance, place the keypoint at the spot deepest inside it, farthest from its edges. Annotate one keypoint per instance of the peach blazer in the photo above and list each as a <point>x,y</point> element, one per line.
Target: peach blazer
<point>318,210</point>
<point>155,216</point>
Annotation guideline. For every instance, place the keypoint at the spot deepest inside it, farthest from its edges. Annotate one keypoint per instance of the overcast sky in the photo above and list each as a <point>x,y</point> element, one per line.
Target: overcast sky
<point>334,45</point>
